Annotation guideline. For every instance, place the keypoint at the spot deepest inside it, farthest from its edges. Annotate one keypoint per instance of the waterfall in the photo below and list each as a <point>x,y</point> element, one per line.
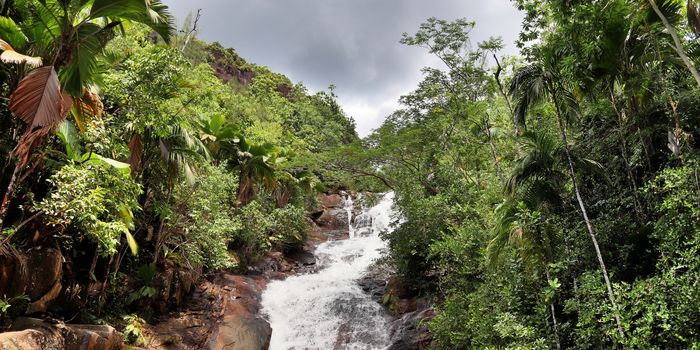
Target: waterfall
<point>349,206</point>
<point>327,309</point>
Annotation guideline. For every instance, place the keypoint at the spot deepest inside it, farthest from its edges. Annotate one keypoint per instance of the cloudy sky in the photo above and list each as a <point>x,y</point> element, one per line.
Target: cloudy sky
<point>353,44</point>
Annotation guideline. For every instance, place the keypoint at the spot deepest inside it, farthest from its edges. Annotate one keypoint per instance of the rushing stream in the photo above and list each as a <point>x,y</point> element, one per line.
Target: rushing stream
<point>327,309</point>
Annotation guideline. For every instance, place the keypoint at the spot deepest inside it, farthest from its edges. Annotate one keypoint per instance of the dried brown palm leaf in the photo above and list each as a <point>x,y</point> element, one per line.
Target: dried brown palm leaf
<point>136,152</point>
<point>38,100</point>
<point>86,108</point>
<point>29,141</point>
<point>11,56</point>
<point>4,46</point>
<point>91,98</point>
<point>66,103</point>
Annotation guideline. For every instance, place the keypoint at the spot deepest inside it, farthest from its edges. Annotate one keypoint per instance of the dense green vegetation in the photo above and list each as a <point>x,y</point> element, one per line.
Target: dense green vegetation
<point>547,201</point>
<point>551,200</point>
<point>133,150</point>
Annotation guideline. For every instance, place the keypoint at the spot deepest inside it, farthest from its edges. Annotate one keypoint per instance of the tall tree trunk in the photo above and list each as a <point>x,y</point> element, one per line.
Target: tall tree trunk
<point>584,213</point>
<point>9,195</point>
<point>677,45</point>
<point>554,316</point>
<point>494,151</point>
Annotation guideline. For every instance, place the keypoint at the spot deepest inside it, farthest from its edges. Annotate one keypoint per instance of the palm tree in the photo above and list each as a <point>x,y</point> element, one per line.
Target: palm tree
<point>256,164</point>
<point>517,224</point>
<point>532,188</point>
<point>70,35</point>
<point>672,10</point>
<point>218,135</point>
<point>533,85</point>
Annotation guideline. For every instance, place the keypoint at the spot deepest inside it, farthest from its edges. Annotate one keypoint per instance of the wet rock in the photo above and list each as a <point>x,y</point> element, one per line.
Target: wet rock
<point>410,332</point>
<point>333,219</point>
<point>337,235</point>
<point>242,333</point>
<point>331,201</point>
<point>375,281</point>
<point>302,257</point>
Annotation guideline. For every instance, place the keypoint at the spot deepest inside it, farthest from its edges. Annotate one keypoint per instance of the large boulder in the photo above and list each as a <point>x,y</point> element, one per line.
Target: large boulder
<point>333,219</point>
<point>45,269</point>
<point>241,333</point>
<point>410,332</point>
<point>31,339</point>
<point>330,201</point>
<point>31,333</point>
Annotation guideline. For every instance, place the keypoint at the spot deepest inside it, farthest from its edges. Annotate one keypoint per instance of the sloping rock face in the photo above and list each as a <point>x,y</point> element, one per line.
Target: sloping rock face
<point>228,65</point>
<point>32,333</point>
<point>221,314</point>
<point>242,333</point>
<point>37,273</point>
<point>242,328</point>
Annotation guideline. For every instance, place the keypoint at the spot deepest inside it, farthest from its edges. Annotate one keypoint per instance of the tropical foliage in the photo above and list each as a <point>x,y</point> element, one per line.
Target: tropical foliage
<point>550,200</point>
<point>133,154</point>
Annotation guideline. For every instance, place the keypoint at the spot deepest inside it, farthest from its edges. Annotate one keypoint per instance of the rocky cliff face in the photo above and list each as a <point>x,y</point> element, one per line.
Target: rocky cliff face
<point>229,66</point>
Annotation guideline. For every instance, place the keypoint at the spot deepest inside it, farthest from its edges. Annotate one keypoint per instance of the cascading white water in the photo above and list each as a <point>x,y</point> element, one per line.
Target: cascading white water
<point>327,309</point>
<point>349,207</point>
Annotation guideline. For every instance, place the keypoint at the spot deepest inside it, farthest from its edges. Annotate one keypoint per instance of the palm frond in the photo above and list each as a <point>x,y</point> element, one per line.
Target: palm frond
<point>38,100</point>
<point>10,31</point>
<point>527,88</point>
<point>149,12</point>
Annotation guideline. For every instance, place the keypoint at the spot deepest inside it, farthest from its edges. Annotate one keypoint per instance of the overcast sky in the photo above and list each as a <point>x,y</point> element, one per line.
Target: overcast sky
<point>353,44</point>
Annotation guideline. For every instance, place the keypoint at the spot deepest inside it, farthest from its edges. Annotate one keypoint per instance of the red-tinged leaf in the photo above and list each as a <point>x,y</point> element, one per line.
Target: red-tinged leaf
<point>37,100</point>
<point>66,104</point>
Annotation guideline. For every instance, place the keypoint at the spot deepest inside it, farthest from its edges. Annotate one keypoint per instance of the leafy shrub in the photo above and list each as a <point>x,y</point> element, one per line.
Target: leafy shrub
<point>288,227</point>
<point>251,241</point>
<point>208,222</point>
<point>96,200</point>
<point>263,228</point>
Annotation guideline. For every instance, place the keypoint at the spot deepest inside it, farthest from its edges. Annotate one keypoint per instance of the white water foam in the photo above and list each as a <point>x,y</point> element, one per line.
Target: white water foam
<point>327,309</point>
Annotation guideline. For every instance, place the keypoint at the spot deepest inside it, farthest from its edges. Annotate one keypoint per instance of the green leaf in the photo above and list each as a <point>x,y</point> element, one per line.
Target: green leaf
<point>152,13</point>
<point>10,32</point>
<point>69,135</point>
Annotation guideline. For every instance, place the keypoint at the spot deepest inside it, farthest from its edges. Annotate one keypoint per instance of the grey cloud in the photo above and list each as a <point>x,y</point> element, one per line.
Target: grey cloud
<point>351,43</point>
